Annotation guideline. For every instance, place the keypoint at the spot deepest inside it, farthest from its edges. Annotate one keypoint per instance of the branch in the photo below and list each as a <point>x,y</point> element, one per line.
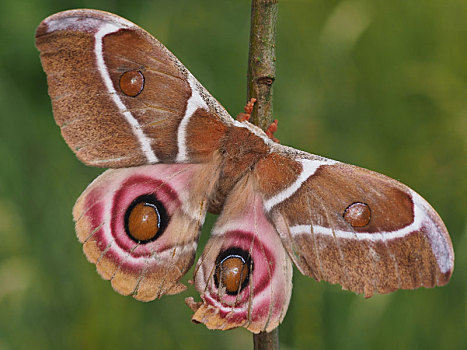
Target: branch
<point>261,60</point>
<point>266,341</point>
<point>260,77</point>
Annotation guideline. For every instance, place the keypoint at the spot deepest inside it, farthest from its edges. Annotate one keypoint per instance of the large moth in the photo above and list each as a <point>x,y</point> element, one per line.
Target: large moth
<point>123,101</point>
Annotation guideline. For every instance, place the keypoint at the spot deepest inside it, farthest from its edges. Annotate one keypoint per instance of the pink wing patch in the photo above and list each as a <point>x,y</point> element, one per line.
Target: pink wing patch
<point>145,263</point>
<point>244,275</point>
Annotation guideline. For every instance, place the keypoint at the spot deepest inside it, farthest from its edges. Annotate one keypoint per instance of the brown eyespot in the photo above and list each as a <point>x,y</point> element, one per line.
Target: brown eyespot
<point>233,270</point>
<point>132,83</point>
<point>145,219</point>
<point>357,214</point>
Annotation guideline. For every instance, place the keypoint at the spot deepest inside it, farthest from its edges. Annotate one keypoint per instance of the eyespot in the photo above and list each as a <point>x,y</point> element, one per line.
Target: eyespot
<point>132,83</point>
<point>145,219</point>
<point>233,268</point>
<point>357,214</point>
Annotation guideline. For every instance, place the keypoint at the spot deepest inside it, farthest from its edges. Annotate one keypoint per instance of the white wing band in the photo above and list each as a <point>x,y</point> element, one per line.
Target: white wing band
<point>194,102</point>
<point>438,243</point>
<point>309,168</point>
<point>102,68</point>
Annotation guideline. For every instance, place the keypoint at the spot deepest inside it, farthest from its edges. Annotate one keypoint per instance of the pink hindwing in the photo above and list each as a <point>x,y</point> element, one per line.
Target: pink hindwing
<point>122,100</point>
<point>243,233</point>
<point>144,263</point>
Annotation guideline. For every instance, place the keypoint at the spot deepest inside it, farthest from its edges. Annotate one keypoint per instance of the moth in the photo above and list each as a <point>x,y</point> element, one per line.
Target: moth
<point>123,101</point>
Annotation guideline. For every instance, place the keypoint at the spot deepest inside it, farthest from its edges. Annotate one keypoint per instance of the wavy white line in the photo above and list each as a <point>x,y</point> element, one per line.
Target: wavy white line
<point>309,168</point>
<point>194,102</point>
<point>438,243</point>
<point>102,68</point>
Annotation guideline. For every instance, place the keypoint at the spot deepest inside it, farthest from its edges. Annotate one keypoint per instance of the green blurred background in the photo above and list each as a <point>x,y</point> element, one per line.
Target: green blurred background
<point>380,84</point>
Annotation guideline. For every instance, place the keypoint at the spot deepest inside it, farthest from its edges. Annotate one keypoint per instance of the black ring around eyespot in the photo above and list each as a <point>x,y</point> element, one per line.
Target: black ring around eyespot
<point>159,209</point>
<point>235,252</point>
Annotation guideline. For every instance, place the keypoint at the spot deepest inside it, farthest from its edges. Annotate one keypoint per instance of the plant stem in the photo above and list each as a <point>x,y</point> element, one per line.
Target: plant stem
<point>262,60</point>
<point>266,341</point>
<point>260,78</point>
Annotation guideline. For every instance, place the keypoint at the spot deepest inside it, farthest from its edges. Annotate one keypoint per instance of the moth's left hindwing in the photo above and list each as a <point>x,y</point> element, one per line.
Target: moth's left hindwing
<point>140,226</point>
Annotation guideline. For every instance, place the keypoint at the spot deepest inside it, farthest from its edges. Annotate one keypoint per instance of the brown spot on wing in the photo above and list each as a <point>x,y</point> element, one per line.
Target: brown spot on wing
<point>357,214</point>
<point>335,187</point>
<point>132,83</point>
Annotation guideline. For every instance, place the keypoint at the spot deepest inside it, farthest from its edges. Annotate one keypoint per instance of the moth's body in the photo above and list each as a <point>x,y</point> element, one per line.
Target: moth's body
<point>123,100</point>
<point>240,152</point>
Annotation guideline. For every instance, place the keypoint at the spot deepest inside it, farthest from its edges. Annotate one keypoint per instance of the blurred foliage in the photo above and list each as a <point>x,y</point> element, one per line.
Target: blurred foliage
<point>381,84</point>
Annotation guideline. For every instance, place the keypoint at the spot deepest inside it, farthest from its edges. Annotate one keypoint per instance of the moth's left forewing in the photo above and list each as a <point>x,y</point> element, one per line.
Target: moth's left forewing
<point>120,97</point>
<point>352,226</point>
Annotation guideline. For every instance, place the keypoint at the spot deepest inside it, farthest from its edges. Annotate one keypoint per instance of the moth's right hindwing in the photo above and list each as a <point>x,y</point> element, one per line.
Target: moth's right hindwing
<point>244,275</point>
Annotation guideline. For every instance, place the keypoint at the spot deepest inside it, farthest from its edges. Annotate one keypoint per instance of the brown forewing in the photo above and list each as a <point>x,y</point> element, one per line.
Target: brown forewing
<point>92,124</point>
<point>161,104</point>
<point>367,265</point>
<point>334,187</point>
<point>81,104</point>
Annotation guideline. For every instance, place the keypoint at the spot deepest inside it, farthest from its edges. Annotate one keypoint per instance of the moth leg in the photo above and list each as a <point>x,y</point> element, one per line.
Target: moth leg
<point>241,117</point>
<point>272,128</point>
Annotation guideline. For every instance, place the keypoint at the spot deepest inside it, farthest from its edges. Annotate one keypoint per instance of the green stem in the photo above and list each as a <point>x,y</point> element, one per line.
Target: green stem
<point>266,341</point>
<point>262,60</point>
<point>261,76</point>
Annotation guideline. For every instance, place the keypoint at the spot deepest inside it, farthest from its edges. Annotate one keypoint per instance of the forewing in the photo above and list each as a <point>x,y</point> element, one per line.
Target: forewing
<point>120,97</point>
<point>351,226</point>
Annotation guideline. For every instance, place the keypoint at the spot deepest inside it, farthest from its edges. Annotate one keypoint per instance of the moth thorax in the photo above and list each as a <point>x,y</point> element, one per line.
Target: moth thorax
<point>242,150</point>
<point>145,219</point>
<point>357,214</point>
<point>233,268</point>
